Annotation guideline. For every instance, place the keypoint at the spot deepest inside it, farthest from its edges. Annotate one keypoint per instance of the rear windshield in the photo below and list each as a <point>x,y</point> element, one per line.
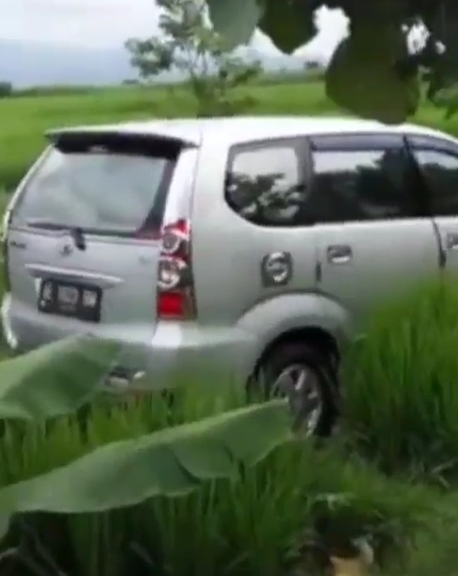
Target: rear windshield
<point>117,187</point>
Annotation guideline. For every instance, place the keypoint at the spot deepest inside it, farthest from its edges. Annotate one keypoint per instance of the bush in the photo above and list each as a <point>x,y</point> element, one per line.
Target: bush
<point>400,381</point>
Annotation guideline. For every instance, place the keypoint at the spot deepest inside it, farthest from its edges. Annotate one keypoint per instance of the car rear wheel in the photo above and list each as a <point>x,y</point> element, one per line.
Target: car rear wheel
<point>308,378</point>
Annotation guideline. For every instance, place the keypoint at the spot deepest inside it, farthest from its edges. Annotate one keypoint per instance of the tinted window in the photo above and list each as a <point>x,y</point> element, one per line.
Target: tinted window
<point>353,185</point>
<point>440,171</point>
<point>264,184</point>
<point>97,190</point>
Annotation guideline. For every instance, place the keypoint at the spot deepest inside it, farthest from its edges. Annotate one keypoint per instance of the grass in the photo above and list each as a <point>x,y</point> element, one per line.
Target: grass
<point>25,119</point>
<point>407,360</point>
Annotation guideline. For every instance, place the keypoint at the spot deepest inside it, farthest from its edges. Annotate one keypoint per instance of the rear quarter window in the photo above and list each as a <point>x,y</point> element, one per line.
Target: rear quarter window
<point>264,183</point>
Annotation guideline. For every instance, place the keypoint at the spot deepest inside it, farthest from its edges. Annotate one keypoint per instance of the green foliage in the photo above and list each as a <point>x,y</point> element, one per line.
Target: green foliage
<point>239,31</point>
<point>55,379</point>
<point>375,49</point>
<point>261,520</point>
<point>189,44</point>
<point>357,70</point>
<point>286,23</point>
<point>171,462</point>
<point>365,504</point>
<point>434,550</point>
<point>52,381</point>
<point>81,464</point>
<point>400,384</point>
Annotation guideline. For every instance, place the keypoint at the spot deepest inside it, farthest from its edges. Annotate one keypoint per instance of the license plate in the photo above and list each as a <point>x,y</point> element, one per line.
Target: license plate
<point>81,301</point>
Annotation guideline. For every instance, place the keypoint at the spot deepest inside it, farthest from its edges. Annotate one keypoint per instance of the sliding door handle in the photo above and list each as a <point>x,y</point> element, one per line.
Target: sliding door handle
<point>339,254</point>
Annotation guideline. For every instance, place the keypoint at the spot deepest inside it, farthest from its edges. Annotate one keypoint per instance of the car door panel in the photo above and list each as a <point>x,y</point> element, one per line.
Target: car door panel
<point>437,163</point>
<point>374,242</point>
<point>387,258</point>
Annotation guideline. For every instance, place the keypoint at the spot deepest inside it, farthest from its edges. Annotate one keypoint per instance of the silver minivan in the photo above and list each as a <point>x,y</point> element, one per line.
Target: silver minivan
<point>250,247</point>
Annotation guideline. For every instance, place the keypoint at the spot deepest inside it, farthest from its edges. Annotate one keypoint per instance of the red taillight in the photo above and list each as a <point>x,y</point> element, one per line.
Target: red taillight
<point>175,288</point>
<point>171,305</point>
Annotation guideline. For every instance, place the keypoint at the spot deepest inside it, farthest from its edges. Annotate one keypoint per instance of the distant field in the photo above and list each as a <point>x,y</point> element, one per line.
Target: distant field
<point>25,119</point>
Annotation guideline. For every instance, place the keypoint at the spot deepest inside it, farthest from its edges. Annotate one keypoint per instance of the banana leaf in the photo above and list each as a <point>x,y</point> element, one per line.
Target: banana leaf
<point>170,462</point>
<point>55,379</point>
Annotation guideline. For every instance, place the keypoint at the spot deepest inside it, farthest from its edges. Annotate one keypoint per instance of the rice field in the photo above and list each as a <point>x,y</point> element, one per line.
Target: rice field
<point>25,119</point>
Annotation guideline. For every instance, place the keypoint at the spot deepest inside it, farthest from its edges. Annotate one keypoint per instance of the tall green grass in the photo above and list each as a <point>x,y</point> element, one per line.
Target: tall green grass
<point>434,550</point>
<point>401,383</point>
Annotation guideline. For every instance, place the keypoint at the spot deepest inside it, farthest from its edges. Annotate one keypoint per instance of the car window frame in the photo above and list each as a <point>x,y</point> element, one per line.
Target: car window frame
<point>298,143</point>
<point>430,144</point>
<point>367,142</point>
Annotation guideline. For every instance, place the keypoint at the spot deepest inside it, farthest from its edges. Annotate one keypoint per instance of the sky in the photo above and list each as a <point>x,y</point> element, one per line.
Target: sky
<point>110,22</point>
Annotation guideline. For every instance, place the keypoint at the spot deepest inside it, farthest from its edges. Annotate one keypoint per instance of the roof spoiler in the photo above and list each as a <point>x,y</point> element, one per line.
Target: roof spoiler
<point>119,134</point>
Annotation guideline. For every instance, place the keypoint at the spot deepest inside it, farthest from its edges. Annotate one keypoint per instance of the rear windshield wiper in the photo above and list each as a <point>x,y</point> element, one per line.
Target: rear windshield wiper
<point>76,232</point>
<point>45,224</point>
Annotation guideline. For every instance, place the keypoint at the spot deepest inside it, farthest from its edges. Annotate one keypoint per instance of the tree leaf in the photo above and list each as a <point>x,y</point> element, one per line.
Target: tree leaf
<point>236,20</point>
<point>362,77</point>
<point>288,23</point>
<point>170,462</point>
<point>55,379</point>
<point>4,524</point>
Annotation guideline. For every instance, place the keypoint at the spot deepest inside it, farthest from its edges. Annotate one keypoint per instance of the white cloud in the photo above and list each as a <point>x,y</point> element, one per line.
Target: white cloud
<point>332,26</point>
<point>111,22</point>
<point>78,22</point>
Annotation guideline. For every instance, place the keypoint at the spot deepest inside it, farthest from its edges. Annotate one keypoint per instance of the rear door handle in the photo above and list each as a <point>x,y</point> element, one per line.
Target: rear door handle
<point>452,241</point>
<point>339,254</point>
<point>16,244</point>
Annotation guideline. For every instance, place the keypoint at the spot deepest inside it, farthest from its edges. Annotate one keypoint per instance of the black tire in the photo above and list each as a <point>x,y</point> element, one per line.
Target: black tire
<point>324,368</point>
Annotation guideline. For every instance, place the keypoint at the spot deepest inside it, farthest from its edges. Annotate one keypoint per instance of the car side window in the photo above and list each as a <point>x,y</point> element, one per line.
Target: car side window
<point>440,172</point>
<point>360,184</point>
<point>264,183</point>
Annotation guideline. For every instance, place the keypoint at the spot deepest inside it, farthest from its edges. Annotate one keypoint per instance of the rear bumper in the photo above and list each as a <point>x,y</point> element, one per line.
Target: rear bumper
<point>7,330</point>
<point>187,353</point>
<point>177,352</point>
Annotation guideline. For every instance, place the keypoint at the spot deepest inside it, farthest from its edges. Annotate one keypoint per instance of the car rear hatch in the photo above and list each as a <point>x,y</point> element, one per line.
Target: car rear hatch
<point>84,238</point>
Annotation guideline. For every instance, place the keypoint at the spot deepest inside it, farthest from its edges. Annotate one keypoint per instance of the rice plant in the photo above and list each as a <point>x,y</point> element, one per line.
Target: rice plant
<point>400,382</point>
